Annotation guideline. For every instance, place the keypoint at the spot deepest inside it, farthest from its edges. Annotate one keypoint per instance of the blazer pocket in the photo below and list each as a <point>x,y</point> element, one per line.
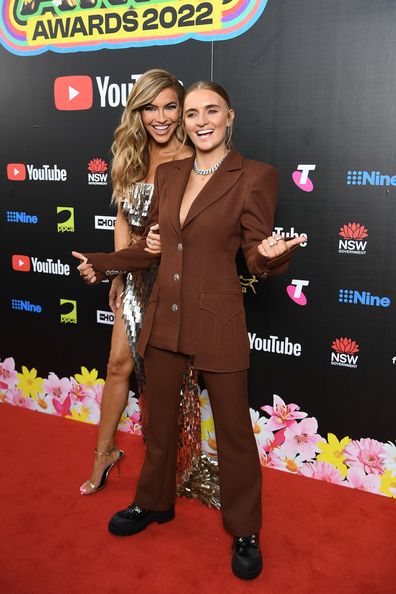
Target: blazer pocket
<point>223,305</point>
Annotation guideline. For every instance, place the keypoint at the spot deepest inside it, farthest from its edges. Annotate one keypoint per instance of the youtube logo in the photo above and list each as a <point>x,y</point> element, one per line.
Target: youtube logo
<point>73,92</point>
<point>21,263</point>
<point>16,171</point>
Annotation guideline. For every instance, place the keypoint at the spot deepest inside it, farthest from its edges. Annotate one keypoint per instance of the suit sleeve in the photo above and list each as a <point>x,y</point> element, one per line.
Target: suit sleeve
<point>257,221</point>
<point>133,257</point>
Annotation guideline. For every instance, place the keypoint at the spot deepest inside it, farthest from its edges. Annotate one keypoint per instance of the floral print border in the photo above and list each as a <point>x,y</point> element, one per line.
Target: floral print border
<point>287,438</point>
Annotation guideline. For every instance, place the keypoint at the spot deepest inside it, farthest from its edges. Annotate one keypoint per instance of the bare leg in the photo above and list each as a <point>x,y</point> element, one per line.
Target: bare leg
<point>114,400</point>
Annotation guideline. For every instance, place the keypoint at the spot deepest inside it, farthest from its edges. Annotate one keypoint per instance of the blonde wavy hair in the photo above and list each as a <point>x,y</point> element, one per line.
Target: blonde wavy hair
<point>130,147</point>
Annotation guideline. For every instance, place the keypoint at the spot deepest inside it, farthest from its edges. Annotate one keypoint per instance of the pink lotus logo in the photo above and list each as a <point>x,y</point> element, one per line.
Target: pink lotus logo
<point>345,345</point>
<point>353,231</point>
<point>97,166</point>
<point>301,177</point>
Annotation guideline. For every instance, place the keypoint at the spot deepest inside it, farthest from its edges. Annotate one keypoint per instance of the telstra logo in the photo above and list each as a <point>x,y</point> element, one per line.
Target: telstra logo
<point>295,291</point>
<point>301,177</point>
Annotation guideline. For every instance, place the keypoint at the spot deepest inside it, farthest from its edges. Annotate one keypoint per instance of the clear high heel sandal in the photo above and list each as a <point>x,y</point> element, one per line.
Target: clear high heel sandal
<point>106,471</point>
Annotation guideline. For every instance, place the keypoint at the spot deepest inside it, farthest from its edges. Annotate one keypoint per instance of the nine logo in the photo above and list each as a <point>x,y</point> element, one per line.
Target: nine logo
<point>68,224</point>
<point>362,297</point>
<point>25,305</point>
<point>345,349</point>
<point>73,93</point>
<point>295,291</point>
<point>372,178</point>
<point>301,177</point>
<point>104,317</point>
<point>16,216</point>
<point>69,314</point>
<point>353,234</point>
<point>97,175</point>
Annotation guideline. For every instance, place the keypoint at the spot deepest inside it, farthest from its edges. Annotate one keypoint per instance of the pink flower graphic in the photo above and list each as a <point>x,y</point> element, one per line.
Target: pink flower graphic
<point>282,414</point>
<point>358,479</point>
<point>260,430</point>
<point>62,408</point>
<point>366,454</point>
<point>8,375</point>
<point>77,392</point>
<point>304,437</point>
<point>322,471</point>
<point>286,458</point>
<point>59,388</point>
<point>353,231</point>
<point>389,456</point>
<point>16,397</point>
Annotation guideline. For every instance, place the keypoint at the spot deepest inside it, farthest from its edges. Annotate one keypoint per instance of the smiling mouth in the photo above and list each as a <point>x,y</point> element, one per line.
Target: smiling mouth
<point>162,129</point>
<point>204,133</point>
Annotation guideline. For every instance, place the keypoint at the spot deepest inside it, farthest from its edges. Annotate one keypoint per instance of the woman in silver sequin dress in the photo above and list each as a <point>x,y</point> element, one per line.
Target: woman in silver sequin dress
<point>148,135</point>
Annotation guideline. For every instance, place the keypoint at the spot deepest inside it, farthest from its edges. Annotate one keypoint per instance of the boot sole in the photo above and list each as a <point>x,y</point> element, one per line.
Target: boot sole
<point>120,529</point>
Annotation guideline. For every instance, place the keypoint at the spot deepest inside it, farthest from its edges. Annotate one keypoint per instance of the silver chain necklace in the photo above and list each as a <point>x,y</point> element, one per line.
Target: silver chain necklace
<point>210,169</point>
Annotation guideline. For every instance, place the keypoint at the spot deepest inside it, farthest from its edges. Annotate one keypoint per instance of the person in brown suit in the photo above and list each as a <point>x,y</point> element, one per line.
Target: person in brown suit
<point>207,207</point>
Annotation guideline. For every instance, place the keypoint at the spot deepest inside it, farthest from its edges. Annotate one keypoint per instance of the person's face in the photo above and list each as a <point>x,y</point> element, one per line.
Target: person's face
<point>206,116</point>
<point>161,116</point>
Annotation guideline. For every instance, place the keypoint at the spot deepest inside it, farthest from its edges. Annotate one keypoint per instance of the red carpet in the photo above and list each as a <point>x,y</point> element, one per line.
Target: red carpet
<point>317,538</point>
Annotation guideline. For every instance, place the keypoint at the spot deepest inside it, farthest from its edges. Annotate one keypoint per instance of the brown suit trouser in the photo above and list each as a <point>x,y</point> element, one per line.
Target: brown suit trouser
<point>239,466</point>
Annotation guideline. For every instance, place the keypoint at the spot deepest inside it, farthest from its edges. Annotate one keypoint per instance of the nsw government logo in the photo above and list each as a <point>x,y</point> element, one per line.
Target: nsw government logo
<point>363,298</point>
<point>345,352</point>
<point>67,214</point>
<point>97,175</point>
<point>68,311</point>
<point>352,239</point>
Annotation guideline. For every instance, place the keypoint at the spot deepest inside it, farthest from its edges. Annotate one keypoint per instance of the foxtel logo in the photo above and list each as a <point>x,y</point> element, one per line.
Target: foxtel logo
<point>17,172</point>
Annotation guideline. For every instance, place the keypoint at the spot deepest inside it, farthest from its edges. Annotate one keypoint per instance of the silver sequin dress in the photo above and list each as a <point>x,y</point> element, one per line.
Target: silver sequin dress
<point>197,474</point>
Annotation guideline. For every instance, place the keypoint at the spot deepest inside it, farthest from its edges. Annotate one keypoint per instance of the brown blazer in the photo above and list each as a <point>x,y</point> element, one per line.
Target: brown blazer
<point>196,305</point>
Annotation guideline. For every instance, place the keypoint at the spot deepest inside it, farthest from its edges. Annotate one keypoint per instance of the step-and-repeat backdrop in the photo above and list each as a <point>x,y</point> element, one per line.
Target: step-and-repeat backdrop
<point>313,85</point>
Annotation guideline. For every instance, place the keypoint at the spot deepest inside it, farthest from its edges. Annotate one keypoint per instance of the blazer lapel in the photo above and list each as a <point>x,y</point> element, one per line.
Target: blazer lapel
<point>176,183</point>
<point>220,182</point>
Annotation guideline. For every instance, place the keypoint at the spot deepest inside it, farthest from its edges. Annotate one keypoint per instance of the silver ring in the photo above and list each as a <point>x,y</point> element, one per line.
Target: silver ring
<point>271,243</point>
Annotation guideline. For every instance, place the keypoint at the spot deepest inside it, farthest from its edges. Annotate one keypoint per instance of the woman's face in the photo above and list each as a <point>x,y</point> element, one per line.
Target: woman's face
<point>161,116</point>
<point>206,116</point>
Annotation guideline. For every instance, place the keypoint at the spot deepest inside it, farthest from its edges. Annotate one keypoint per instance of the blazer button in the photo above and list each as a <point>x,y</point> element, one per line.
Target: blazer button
<point>180,247</point>
<point>176,277</point>
<point>175,307</point>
